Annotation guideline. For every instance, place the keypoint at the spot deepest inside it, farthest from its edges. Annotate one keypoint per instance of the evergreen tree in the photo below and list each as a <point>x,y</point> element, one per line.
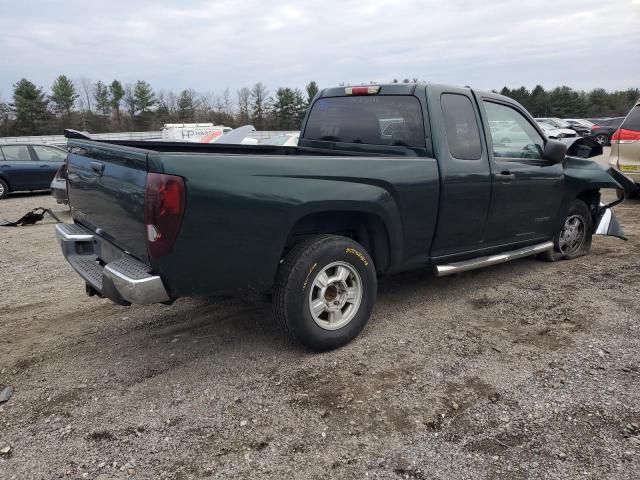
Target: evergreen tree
<point>30,107</point>
<point>116,93</point>
<point>63,96</point>
<point>312,89</point>
<point>144,96</point>
<point>102,98</point>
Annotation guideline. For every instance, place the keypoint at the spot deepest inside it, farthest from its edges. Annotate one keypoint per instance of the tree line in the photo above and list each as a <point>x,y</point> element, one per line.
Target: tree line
<point>113,106</point>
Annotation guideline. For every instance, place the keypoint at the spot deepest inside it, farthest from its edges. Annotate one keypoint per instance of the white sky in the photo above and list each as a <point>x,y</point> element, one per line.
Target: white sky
<point>210,45</point>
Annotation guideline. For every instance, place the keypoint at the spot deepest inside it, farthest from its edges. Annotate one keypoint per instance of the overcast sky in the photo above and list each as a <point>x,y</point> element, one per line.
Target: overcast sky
<point>210,45</point>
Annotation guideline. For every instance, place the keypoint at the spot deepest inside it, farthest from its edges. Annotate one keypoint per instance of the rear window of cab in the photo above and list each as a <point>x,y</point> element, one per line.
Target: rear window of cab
<point>390,120</point>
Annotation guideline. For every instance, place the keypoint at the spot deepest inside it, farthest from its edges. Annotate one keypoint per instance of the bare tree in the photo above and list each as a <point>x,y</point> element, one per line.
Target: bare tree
<point>206,106</point>
<point>244,98</point>
<point>259,95</point>
<point>86,88</point>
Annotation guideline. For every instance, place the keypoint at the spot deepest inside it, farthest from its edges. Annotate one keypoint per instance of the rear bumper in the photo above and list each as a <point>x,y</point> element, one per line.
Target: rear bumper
<point>124,280</point>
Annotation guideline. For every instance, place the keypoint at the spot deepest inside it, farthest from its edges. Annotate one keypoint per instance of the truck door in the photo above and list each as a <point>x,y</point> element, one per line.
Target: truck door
<point>465,178</point>
<point>527,190</point>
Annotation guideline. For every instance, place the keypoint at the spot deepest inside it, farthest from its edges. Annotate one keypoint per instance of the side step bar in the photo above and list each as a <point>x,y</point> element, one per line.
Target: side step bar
<point>480,262</point>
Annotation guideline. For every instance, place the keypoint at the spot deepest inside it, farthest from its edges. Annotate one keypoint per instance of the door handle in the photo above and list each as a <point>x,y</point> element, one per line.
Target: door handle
<point>5,166</point>
<point>98,168</point>
<point>505,176</point>
<point>44,166</point>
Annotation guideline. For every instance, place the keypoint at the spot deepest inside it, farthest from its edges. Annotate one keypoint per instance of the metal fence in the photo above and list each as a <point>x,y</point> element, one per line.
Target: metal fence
<point>155,135</point>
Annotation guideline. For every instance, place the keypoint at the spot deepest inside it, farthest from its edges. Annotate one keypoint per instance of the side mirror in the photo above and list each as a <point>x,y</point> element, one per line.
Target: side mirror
<point>554,151</point>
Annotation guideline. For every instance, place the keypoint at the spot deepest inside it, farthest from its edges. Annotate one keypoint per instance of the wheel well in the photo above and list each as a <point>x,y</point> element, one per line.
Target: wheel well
<point>365,228</point>
<point>592,199</point>
<point>5,181</point>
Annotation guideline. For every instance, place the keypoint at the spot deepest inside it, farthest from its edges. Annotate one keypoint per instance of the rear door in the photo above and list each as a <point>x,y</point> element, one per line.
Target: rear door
<point>527,190</point>
<point>19,168</point>
<point>49,160</point>
<point>465,177</point>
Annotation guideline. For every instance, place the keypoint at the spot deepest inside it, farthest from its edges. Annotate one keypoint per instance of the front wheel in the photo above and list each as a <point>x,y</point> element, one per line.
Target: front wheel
<point>325,291</point>
<point>574,239</point>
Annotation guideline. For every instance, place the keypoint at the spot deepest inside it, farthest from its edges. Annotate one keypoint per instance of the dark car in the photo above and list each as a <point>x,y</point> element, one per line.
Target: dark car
<point>28,167</point>
<point>603,128</point>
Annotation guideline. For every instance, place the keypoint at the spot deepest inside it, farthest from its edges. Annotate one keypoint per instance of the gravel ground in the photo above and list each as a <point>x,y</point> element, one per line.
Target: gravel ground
<point>524,370</point>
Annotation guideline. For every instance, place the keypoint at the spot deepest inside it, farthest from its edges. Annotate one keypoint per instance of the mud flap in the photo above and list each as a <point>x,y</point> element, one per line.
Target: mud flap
<point>608,225</point>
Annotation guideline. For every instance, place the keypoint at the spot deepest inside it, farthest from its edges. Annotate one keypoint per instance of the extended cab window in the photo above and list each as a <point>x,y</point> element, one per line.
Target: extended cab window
<point>463,135</point>
<point>372,119</point>
<point>516,137</point>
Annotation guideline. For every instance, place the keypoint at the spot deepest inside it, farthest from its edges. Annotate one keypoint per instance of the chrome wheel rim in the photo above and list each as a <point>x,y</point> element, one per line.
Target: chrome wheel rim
<point>572,234</point>
<point>335,295</point>
<point>1,189</point>
<point>601,139</point>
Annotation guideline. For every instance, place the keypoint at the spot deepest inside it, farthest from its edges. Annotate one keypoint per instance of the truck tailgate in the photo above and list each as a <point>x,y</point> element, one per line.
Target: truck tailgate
<point>106,187</point>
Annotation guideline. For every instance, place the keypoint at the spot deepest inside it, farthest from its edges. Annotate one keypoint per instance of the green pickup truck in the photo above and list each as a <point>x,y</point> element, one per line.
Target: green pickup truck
<point>385,179</point>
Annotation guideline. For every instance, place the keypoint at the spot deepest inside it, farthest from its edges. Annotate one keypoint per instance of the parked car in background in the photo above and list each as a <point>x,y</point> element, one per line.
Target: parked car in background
<point>583,127</point>
<point>602,129</point>
<point>26,167</point>
<point>59,185</point>
<point>625,147</point>
<point>556,122</point>
<point>553,132</point>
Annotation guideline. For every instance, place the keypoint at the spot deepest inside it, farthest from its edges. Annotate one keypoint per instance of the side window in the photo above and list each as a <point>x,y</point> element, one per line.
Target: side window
<point>463,135</point>
<point>48,154</point>
<point>16,153</point>
<point>518,138</point>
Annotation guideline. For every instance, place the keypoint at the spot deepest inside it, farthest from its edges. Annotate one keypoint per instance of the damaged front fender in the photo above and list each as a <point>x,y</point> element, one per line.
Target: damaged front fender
<point>586,175</point>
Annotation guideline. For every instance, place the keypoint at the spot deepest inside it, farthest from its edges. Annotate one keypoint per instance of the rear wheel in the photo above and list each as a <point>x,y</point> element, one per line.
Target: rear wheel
<point>4,189</point>
<point>325,291</point>
<point>574,239</point>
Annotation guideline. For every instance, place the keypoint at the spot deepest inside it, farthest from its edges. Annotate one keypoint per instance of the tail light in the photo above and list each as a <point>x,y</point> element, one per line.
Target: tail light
<point>595,127</point>
<point>370,90</point>
<point>622,135</point>
<point>164,201</point>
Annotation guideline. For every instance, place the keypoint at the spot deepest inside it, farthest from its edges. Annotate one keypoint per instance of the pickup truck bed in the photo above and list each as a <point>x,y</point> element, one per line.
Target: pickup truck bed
<point>384,179</point>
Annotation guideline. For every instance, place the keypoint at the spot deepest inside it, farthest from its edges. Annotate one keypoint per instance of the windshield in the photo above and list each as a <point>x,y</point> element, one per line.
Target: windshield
<point>375,120</point>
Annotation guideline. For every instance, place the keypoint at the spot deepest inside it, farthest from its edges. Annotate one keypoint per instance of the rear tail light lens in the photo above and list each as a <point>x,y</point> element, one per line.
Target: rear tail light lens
<point>164,202</point>
<point>595,127</point>
<point>622,135</point>
<point>369,90</point>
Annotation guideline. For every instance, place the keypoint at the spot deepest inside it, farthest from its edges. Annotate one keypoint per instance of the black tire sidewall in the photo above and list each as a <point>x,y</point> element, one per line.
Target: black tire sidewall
<point>300,322</point>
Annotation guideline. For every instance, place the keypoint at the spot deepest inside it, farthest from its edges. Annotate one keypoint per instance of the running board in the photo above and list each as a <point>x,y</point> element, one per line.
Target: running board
<point>480,262</point>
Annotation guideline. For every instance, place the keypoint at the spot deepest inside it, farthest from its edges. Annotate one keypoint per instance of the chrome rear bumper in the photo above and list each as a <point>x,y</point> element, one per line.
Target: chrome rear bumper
<point>125,280</point>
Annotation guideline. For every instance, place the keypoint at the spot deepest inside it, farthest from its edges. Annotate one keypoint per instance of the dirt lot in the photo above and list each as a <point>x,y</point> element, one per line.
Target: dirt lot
<point>525,370</point>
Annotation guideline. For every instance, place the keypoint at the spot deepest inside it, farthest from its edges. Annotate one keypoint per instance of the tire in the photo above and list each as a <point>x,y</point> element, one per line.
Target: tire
<point>602,139</point>
<point>570,243</point>
<point>349,288</point>
<point>4,189</point>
